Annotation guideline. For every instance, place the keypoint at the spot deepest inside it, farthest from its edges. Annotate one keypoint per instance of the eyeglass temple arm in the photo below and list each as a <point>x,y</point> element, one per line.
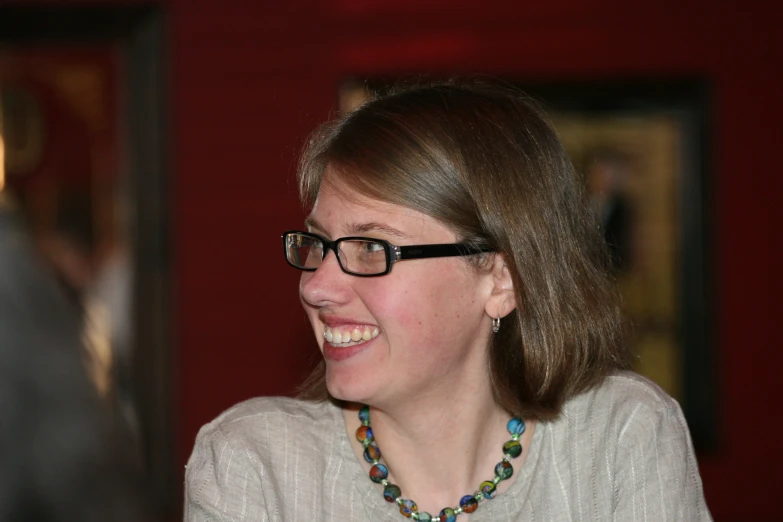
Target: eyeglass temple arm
<point>427,251</point>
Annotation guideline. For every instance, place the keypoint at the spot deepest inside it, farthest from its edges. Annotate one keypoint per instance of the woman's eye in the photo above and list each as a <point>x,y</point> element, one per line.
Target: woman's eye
<point>373,247</point>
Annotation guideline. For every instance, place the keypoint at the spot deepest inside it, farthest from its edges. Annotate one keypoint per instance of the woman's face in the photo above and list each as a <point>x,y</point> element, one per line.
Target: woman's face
<point>426,322</point>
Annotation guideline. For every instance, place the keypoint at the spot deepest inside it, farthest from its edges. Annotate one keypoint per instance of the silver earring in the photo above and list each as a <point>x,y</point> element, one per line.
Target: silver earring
<point>496,324</point>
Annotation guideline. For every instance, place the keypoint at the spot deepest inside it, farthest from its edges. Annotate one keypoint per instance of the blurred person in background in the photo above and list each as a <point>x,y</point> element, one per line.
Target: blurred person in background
<point>61,456</point>
<point>473,357</point>
<point>606,172</point>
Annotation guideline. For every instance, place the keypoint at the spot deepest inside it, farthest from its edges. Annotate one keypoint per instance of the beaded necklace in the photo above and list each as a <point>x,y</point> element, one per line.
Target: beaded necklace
<point>467,504</point>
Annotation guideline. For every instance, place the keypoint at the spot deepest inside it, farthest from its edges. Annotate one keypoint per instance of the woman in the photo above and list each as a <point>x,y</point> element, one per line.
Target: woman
<point>456,287</point>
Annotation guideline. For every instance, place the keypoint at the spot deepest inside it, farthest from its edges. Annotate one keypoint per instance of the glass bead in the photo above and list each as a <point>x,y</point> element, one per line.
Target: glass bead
<point>504,470</point>
<point>448,515</point>
<point>512,448</point>
<point>468,504</point>
<point>378,472</point>
<point>516,426</point>
<point>408,507</point>
<point>425,517</point>
<point>364,414</point>
<point>488,489</point>
<point>372,453</point>
<point>391,492</point>
<point>364,433</point>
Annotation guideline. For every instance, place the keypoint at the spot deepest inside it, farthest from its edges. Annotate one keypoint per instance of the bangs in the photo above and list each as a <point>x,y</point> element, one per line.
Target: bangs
<point>385,157</point>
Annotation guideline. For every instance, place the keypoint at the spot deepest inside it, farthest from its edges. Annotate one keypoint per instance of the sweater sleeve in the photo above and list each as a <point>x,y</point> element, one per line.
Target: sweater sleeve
<point>657,477</point>
<point>223,480</point>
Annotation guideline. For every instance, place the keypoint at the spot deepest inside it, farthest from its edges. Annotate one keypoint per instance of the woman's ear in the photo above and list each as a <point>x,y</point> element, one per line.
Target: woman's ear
<point>502,300</point>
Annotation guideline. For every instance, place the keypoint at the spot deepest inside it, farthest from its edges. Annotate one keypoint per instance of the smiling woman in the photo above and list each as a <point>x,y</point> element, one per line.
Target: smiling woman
<point>502,322</point>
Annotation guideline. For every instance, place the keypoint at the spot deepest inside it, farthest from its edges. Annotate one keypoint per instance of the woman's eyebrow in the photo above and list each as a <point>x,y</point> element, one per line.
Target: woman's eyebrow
<point>373,226</point>
<point>311,223</point>
<point>357,229</point>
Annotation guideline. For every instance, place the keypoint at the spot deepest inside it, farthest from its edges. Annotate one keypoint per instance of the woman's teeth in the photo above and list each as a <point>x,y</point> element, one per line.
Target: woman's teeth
<point>355,335</point>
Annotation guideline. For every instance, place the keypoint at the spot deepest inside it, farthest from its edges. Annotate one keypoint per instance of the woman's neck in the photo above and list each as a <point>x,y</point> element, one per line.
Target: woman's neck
<point>438,449</point>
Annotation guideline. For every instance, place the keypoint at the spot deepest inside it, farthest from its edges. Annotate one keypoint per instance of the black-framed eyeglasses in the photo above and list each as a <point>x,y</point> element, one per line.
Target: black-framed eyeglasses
<point>363,256</point>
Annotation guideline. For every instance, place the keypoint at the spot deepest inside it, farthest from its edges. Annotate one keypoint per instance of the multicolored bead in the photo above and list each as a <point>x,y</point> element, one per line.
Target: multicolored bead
<point>378,472</point>
<point>407,507</point>
<point>468,503</point>
<point>425,517</point>
<point>391,492</point>
<point>512,448</point>
<point>488,489</point>
<point>364,433</point>
<point>364,415</point>
<point>504,470</point>
<point>372,453</point>
<point>448,515</point>
<point>516,426</point>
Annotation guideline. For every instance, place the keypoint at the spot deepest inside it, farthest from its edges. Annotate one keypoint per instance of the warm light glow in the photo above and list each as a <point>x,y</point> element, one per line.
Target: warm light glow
<point>2,163</point>
<point>2,150</point>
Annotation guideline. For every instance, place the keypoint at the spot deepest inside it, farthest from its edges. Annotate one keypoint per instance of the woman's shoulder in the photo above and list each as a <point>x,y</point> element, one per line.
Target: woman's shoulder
<point>624,419</point>
<point>250,453</point>
<point>262,409</point>
<point>622,397</point>
<point>264,420</point>
<point>623,414</point>
<point>632,388</point>
<point>630,438</point>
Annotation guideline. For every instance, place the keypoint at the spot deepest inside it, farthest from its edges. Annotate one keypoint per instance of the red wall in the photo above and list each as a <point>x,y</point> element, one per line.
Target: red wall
<point>249,80</point>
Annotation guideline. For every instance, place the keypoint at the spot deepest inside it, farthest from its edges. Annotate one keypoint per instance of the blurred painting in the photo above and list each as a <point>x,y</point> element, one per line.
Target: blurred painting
<point>630,166</point>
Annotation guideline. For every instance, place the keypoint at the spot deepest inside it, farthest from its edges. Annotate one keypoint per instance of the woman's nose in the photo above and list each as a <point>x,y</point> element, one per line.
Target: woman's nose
<point>327,285</point>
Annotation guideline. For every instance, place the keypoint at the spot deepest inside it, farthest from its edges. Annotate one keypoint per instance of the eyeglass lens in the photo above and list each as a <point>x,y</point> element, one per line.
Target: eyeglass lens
<point>357,256</point>
<point>304,251</point>
<point>363,257</point>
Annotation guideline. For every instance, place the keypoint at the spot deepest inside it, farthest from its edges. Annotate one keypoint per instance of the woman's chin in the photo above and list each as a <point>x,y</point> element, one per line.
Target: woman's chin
<point>349,388</point>
<point>350,371</point>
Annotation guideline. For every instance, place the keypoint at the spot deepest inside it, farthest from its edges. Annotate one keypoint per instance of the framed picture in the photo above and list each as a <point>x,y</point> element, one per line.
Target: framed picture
<point>641,148</point>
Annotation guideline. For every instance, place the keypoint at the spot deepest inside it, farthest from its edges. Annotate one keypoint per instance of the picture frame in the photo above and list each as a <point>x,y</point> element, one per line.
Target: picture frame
<point>655,136</point>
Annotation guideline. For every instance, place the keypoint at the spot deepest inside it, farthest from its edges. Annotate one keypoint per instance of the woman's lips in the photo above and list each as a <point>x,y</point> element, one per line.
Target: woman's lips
<point>337,354</point>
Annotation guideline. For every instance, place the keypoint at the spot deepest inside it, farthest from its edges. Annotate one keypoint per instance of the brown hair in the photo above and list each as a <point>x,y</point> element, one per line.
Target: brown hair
<point>482,160</point>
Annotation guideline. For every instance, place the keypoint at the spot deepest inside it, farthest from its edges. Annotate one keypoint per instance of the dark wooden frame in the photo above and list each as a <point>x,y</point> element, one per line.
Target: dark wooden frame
<point>139,35</point>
